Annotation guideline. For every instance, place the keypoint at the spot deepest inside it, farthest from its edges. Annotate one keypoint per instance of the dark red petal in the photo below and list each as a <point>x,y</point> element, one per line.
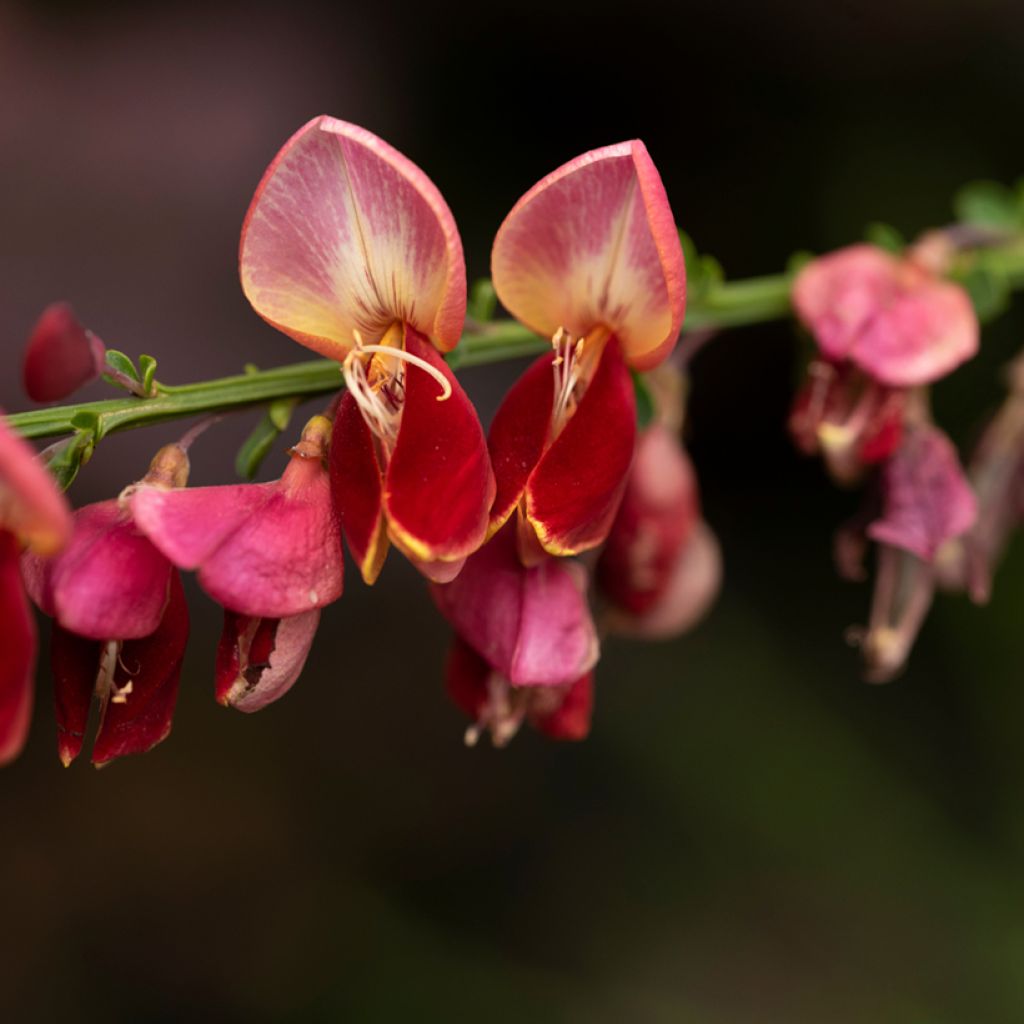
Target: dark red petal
<point>357,489</point>
<point>573,494</point>
<point>571,721</point>
<point>153,667</point>
<point>228,660</point>
<point>466,678</point>
<point>438,484</point>
<point>518,435</point>
<point>74,662</point>
<point>17,653</point>
<point>61,355</point>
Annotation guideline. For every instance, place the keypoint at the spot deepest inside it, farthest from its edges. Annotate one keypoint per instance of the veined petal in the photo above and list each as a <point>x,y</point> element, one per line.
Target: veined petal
<point>109,582</point>
<point>595,244</point>
<point>147,677</point>
<point>438,486</point>
<point>31,506</point>
<point>18,657</point>
<point>518,435</point>
<point>357,489</point>
<point>258,661</point>
<point>344,233</point>
<point>574,492</point>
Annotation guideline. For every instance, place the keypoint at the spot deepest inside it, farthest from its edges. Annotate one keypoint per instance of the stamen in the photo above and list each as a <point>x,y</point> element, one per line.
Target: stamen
<point>567,371</point>
<point>381,403</point>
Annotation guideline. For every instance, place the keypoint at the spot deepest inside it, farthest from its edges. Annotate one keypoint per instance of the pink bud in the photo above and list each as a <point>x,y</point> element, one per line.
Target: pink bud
<point>61,355</point>
<point>894,319</point>
<point>532,624</point>
<point>136,683</point>
<point>259,660</point>
<point>559,712</point>
<point>926,497</point>
<point>263,550</point>
<point>659,511</point>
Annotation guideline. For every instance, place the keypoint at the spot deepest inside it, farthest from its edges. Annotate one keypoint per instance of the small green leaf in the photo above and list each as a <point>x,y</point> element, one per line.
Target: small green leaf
<point>250,368</point>
<point>120,363</point>
<point>67,457</point>
<point>990,204</point>
<point>258,444</point>
<point>885,236</point>
<point>147,364</point>
<point>483,300</point>
<point>86,421</point>
<point>988,288</point>
<point>644,401</point>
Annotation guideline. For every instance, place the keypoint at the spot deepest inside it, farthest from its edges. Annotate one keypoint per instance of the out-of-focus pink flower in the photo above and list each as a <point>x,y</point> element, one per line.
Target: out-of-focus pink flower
<point>893,318</point>
<point>261,550</point>
<point>533,624</point>
<point>33,512</point>
<point>259,660</point>
<point>560,712</point>
<point>589,257</point>
<point>121,623</point>
<point>61,355</point>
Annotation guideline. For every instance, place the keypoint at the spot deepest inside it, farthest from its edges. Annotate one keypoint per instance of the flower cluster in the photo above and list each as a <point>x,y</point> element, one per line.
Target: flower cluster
<point>561,511</point>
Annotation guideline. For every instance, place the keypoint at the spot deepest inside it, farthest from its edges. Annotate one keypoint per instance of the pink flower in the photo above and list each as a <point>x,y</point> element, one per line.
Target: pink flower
<point>121,624</point>
<point>532,625</point>
<point>561,712</point>
<point>261,550</point>
<point>61,355</point>
<point>32,512</point>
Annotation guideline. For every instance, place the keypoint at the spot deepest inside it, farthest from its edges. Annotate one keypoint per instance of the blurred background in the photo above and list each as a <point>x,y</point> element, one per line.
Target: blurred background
<point>751,834</point>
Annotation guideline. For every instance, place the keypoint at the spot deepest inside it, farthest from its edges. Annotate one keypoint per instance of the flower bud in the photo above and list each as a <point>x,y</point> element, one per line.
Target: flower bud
<point>61,356</point>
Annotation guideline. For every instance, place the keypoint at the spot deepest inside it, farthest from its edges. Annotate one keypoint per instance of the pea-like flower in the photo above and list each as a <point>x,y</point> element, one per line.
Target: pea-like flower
<point>350,249</point>
<point>33,512</point>
<point>61,355</point>
<point>591,258</point>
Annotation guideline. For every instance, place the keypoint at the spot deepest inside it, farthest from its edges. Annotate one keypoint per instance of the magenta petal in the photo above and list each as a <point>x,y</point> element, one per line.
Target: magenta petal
<point>17,660</point>
<point>61,356</point>
<point>259,660</point>
<point>109,583</point>
<point>594,244</point>
<point>927,499</point>
<point>74,664</point>
<point>345,234</point>
<point>532,625</point>
<point>265,550</point>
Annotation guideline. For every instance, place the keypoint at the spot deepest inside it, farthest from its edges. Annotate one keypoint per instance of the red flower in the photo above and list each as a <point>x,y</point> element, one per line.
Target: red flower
<point>350,249</point>
<point>61,355</point>
<point>589,257</point>
<point>34,513</point>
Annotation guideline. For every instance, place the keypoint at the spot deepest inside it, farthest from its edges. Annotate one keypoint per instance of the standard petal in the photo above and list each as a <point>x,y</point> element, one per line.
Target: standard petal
<point>147,677</point>
<point>109,583</point>
<point>344,233</point>
<point>595,244</point>
<point>18,659</point>
<point>920,337</point>
<point>927,497</point>
<point>574,492</point>
<point>518,435</point>
<point>438,486</point>
<point>61,355</point>
<point>357,489</point>
<point>31,506</point>
<point>258,661</point>
<point>532,625</point>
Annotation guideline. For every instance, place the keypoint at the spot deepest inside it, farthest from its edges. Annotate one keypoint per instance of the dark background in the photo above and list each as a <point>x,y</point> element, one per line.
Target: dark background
<point>751,834</point>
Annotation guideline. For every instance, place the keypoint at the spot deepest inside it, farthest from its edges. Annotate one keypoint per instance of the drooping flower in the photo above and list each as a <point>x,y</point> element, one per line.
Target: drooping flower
<point>591,258</point>
<point>261,550</point>
<point>883,325</point>
<point>34,513</point>
<point>121,623</point>
<point>661,568</point>
<point>531,624</point>
<point>350,249</point>
<point>61,355</point>
<point>561,712</point>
